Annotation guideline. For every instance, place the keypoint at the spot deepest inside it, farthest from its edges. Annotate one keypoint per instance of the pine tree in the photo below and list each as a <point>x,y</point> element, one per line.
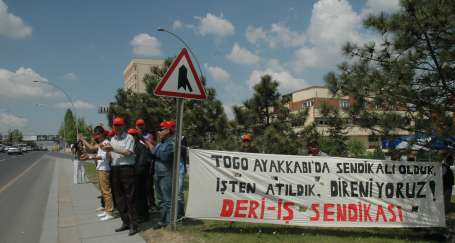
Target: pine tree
<point>411,69</point>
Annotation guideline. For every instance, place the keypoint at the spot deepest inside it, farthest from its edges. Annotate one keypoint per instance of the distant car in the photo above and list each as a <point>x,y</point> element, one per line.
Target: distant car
<point>29,148</point>
<point>14,150</point>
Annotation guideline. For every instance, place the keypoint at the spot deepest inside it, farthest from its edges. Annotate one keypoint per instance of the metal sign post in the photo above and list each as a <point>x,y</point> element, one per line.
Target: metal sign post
<point>176,165</point>
<point>182,82</point>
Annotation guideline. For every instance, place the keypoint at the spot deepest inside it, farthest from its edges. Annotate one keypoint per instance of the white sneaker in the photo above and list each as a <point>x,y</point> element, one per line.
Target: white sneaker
<point>100,209</point>
<point>102,214</point>
<point>107,217</point>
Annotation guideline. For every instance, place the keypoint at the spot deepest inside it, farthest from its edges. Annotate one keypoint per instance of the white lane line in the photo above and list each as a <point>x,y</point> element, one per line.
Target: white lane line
<point>20,175</point>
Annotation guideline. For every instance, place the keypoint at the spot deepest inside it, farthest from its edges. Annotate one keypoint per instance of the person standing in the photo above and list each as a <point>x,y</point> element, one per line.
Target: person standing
<point>163,155</point>
<point>247,145</point>
<point>148,140</point>
<point>447,181</point>
<point>103,169</point>
<point>123,172</point>
<point>143,157</point>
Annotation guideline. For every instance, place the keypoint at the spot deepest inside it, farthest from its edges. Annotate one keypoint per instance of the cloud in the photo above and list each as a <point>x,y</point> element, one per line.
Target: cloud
<point>19,84</point>
<point>217,73</point>
<point>376,7</point>
<point>78,104</point>
<point>11,25</point>
<point>214,25</point>
<point>277,36</point>
<point>287,82</point>
<point>177,24</point>
<point>242,56</point>
<point>145,45</point>
<point>254,35</point>
<point>9,120</point>
<point>70,76</point>
<point>332,24</point>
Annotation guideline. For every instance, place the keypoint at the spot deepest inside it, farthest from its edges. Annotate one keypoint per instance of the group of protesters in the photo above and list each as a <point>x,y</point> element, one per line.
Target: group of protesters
<point>134,172</point>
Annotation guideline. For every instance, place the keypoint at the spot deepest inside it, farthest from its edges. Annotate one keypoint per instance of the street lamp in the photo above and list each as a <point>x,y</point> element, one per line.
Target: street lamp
<point>69,99</point>
<point>185,44</point>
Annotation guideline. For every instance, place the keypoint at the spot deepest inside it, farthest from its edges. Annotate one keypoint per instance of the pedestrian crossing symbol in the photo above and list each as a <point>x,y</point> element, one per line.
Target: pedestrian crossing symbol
<point>181,80</point>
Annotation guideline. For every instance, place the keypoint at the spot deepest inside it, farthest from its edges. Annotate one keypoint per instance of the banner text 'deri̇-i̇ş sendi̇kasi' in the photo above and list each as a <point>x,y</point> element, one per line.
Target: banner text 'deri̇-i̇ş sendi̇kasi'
<point>314,191</point>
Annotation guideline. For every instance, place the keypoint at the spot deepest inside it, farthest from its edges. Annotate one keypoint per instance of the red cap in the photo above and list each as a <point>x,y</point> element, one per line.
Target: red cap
<point>167,124</point>
<point>133,131</point>
<point>111,133</point>
<point>140,122</point>
<point>118,121</point>
<point>246,137</point>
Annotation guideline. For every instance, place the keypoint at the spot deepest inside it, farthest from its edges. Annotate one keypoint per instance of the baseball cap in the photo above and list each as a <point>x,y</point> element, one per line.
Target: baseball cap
<point>246,137</point>
<point>118,121</point>
<point>167,124</point>
<point>140,122</point>
<point>133,131</point>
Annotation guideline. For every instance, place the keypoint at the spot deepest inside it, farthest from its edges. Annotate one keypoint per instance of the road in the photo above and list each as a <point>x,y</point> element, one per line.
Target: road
<point>24,187</point>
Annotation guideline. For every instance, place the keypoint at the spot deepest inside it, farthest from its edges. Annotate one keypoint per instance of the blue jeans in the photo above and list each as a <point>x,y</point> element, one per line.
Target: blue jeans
<point>163,187</point>
<point>181,195</point>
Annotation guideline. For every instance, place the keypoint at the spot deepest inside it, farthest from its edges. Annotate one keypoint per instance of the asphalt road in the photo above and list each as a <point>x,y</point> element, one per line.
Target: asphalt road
<point>24,188</point>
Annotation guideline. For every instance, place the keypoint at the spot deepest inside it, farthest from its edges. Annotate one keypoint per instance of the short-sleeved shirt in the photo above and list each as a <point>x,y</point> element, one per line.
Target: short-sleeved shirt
<point>122,142</point>
<point>103,163</point>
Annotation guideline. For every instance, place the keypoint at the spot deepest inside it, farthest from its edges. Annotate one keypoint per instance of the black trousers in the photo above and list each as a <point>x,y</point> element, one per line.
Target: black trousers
<point>124,184</point>
<point>141,202</point>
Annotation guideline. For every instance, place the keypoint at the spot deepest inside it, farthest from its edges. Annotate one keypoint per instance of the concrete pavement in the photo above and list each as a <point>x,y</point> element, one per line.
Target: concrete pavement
<point>70,213</point>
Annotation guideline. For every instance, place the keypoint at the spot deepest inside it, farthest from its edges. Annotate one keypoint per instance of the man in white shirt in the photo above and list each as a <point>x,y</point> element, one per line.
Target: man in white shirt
<point>124,178</point>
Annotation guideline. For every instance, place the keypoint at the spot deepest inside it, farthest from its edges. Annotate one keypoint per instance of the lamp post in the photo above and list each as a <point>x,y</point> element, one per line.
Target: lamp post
<point>185,44</point>
<point>69,99</point>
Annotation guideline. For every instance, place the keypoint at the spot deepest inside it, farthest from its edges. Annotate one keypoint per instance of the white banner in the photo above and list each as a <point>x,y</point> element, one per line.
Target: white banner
<point>314,191</point>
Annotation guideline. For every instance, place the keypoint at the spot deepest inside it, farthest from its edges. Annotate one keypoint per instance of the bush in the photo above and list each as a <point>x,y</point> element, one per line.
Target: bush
<point>356,149</point>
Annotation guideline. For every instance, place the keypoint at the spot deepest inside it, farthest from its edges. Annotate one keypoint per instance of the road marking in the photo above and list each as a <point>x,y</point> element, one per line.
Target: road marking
<point>2,160</point>
<point>20,175</point>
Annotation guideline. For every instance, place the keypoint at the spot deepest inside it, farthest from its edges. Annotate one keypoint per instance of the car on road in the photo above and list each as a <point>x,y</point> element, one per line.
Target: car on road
<point>14,150</point>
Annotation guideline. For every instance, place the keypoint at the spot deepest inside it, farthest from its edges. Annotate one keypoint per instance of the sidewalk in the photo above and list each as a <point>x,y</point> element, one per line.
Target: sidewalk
<point>70,214</point>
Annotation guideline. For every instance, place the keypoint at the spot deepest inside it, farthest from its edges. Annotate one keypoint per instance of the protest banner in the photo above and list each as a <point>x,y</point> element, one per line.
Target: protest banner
<point>314,191</point>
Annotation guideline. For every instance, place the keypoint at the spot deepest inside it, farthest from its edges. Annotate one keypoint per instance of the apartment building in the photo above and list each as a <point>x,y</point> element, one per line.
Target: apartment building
<point>313,97</point>
<point>135,71</point>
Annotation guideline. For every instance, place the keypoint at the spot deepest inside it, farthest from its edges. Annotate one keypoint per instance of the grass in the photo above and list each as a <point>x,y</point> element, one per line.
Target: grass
<point>90,172</point>
<point>227,232</point>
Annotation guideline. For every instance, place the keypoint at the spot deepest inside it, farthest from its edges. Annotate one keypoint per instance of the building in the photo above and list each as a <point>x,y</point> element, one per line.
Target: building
<point>313,97</point>
<point>135,71</point>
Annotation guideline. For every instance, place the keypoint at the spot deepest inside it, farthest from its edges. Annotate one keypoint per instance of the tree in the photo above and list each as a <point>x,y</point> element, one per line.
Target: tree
<point>14,136</point>
<point>336,141</point>
<point>270,122</point>
<point>356,149</point>
<point>412,70</point>
<point>68,130</point>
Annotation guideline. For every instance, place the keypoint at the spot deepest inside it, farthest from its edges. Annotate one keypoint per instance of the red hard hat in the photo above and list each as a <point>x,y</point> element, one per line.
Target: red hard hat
<point>140,122</point>
<point>118,121</point>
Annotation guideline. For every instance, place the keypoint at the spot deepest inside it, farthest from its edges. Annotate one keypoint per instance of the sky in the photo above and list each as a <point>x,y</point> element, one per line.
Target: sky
<point>83,47</point>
